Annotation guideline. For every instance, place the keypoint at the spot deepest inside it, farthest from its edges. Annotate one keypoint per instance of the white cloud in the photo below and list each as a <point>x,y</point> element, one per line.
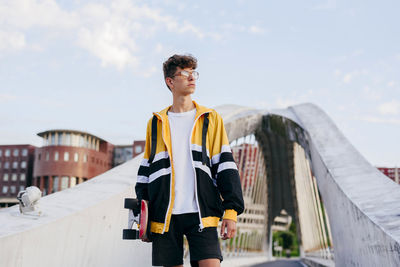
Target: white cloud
<point>111,31</point>
<point>113,46</point>
<point>389,108</point>
<point>348,77</point>
<point>12,40</point>
<point>391,83</point>
<point>25,14</point>
<point>159,48</point>
<point>7,97</point>
<point>256,30</point>
<point>337,72</point>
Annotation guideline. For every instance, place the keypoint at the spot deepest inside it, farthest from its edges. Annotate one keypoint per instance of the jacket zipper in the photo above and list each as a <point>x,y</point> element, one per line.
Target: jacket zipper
<point>170,161</point>
<point>194,169</point>
<point>201,227</point>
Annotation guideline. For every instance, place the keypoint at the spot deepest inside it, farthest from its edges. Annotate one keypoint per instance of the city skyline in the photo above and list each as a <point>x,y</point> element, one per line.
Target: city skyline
<point>96,66</point>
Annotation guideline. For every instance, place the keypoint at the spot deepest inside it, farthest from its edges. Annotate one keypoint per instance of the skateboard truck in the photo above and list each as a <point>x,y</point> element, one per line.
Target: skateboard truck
<point>138,214</point>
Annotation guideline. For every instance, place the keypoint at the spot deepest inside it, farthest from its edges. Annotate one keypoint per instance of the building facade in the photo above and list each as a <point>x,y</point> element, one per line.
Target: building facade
<point>138,147</point>
<point>68,158</point>
<point>122,153</point>
<point>16,164</point>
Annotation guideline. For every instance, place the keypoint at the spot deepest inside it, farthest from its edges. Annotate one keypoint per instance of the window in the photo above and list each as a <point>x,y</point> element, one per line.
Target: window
<point>23,164</point>
<point>66,156</point>
<point>6,165</point>
<point>47,155</point>
<point>138,149</point>
<point>76,157</point>
<point>67,139</point>
<point>5,189</point>
<point>5,177</point>
<point>13,177</point>
<point>21,187</point>
<point>7,153</point>
<point>56,156</point>
<point>24,152</point>
<point>85,158</point>
<point>64,182</point>
<point>15,152</point>
<point>13,189</point>
<point>73,181</point>
<point>60,139</point>
<point>53,139</point>
<point>0,164</point>
<point>39,156</point>
<point>22,177</point>
<point>81,141</point>
<point>15,165</point>
<point>55,184</point>
<point>1,152</point>
<point>74,140</point>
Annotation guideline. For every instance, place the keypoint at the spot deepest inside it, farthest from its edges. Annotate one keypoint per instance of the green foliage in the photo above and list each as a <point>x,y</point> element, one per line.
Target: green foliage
<point>287,240</point>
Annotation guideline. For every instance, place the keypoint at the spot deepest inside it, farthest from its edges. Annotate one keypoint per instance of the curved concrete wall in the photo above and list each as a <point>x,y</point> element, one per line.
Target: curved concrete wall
<point>81,226</point>
<point>362,204</point>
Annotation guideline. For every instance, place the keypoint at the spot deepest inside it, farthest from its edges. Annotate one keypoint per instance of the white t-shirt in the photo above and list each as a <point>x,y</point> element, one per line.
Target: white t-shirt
<point>181,125</point>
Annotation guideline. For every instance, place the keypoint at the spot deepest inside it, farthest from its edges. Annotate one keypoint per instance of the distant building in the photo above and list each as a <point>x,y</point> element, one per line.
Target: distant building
<point>122,153</point>
<point>138,147</point>
<point>246,158</point>
<point>68,158</point>
<point>16,164</point>
<point>392,173</point>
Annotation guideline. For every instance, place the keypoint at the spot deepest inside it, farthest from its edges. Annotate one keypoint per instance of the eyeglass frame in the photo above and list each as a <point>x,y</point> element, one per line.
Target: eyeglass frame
<point>195,74</point>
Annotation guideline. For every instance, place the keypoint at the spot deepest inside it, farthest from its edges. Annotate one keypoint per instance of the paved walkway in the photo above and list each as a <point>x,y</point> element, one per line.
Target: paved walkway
<point>281,263</point>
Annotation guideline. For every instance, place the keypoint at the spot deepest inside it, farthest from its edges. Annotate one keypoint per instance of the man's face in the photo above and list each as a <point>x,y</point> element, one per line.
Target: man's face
<point>180,84</point>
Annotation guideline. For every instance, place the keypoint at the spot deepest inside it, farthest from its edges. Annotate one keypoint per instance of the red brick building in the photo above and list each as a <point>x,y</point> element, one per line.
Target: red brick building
<point>392,173</point>
<point>247,160</point>
<point>68,158</point>
<point>138,147</point>
<point>16,164</point>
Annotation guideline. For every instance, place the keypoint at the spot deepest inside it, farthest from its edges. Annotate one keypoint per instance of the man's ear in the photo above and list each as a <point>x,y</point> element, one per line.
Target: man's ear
<point>169,81</point>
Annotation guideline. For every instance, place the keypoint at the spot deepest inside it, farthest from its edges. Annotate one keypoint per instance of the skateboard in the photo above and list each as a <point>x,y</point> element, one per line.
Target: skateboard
<point>138,214</point>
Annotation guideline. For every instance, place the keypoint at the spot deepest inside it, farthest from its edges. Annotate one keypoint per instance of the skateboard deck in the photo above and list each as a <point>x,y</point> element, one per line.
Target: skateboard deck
<point>138,218</point>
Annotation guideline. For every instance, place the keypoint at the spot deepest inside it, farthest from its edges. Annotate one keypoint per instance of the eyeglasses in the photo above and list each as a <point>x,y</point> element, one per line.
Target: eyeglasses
<point>187,74</point>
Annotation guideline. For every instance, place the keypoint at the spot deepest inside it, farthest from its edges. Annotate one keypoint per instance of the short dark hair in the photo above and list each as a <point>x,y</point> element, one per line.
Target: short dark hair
<point>181,61</point>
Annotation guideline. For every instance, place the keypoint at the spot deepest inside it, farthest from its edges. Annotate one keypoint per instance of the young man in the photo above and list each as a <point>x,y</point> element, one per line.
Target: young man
<point>189,175</point>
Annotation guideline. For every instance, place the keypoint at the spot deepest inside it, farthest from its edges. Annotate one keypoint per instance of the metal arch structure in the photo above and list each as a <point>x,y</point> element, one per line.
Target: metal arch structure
<point>294,159</point>
<point>345,208</point>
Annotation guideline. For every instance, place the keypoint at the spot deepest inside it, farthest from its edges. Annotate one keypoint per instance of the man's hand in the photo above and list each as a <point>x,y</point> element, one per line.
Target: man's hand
<point>230,227</point>
<point>146,240</point>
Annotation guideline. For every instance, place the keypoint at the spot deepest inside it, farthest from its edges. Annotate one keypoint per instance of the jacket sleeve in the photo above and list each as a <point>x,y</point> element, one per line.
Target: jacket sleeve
<point>224,170</point>
<point>142,182</point>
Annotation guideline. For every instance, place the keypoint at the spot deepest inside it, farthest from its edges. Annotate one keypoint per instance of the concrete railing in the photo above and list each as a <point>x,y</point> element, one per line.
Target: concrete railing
<point>362,204</point>
<point>80,226</point>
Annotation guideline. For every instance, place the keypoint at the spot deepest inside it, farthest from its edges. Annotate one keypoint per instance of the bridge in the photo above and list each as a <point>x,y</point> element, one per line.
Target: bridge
<point>293,161</point>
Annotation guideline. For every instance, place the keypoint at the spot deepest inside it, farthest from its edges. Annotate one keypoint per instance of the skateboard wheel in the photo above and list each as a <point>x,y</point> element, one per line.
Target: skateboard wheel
<point>130,234</point>
<point>131,203</point>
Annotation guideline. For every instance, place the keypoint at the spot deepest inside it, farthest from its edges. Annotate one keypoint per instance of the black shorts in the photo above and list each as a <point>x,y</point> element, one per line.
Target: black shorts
<point>168,247</point>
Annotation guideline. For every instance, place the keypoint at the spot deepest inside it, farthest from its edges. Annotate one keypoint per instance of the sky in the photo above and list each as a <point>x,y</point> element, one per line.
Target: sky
<point>96,66</point>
